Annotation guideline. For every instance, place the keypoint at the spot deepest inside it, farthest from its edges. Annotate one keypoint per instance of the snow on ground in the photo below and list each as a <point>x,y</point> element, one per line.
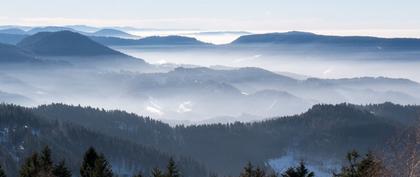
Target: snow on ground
<point>323,169</point>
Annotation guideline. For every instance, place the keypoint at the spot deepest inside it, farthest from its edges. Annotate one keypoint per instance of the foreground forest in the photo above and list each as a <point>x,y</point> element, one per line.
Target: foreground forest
<point>96,165</point>
<point>135,144</point>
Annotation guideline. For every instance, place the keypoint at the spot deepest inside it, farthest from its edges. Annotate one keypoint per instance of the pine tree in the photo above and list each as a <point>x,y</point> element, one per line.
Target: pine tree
<point>46,163</point>
<point>156,172</point>
<point>31,167</point>
<point>102,168</point>
<point>248,171</point>
<point>60,170</point>
<point>88,164</point>
<point>259,172</point>
<point>299,171</point>
<point>2,173</point>
<point>172,170</point>
<point>139,174</point>
<point>368,166</point>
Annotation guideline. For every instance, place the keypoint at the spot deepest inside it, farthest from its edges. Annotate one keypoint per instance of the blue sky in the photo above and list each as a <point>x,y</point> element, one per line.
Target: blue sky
<point>269,15</point>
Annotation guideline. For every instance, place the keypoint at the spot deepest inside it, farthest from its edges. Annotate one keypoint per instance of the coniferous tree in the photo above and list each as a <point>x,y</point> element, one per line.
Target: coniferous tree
<point>2,173</point>
<point>139,174</point>
<point>259,172</point>
<point>60,170</point>
<point>102,168</point>
<point>368,166</point>
<point>38,165</point>
<point>172,169</point>
<point>156,172</point>
<point>31,167</point>
<point>88,164</point>
<point>299,171</point>
<point>248,171</point>
<point>46,163</point>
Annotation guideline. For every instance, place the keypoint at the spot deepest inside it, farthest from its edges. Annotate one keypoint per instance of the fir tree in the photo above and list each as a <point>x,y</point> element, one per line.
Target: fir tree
<point>156,172</point>
<point>46,163</point>
<point>139,174</point>
<point>60,170</point>
<point>259,172</point>
<point>299,171</point>
<point>248,171</point>
<point>2,173</point>
<point>368,166</point>
<point>172,170</point>
<point>45,160</point>
<point>102,167</point>
<point>88,164</point>
<point>31,167</point>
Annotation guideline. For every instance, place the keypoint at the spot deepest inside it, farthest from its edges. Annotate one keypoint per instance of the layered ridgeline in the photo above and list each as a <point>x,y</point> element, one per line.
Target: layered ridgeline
<point>305,38</point>
<point>13,54</point>
<point>64,43</point>
<point>149,41</point>
<point>74,48</point>
<point>23,132</point>
<point>112,33</point>
<point>323,133</point>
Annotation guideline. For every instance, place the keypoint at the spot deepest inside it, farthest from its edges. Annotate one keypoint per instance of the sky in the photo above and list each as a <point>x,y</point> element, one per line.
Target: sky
<point>381,17</point>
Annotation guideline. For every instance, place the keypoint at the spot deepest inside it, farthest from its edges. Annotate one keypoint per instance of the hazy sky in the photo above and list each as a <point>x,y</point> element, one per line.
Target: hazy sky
<point>363,16</point>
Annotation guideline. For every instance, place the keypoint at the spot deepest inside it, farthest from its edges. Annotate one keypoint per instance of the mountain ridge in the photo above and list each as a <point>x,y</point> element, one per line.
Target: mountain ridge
<point>65,43</point>
<point>297,37</point>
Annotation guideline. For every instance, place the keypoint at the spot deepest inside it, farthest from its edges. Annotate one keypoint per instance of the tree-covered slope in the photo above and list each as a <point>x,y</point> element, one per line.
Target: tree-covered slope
<point>22,133</point>
<point>225,148</point>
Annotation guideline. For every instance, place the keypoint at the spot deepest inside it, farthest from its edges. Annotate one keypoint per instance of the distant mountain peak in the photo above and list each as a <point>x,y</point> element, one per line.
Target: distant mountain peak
<point>108,32</point>
<point>64,43</point>
<point>299,37</point>
<point>13,54</point>
<point>152,40</point>
<point>12,31</point>
<point>298,33</point>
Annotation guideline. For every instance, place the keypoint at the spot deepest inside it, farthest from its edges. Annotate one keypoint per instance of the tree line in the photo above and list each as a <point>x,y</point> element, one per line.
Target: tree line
<point>95,164</point>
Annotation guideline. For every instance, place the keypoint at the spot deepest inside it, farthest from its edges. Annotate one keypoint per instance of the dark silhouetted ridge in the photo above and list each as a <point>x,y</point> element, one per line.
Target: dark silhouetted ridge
<point>13,54</point>
<point>64,43</point>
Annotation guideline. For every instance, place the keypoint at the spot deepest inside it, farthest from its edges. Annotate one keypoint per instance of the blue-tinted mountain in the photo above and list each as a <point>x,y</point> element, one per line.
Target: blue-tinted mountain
<point>222,33</point>
<point>65,43</point>
<point>12,31</point>
<point>226,147</point>
<point>11,38</point>
<point>296,37</point>
<point>22,132</point>
<point>25,28</point>
<point>83,28</point>
<point>113,33</point>
<point>154,40</point>
<point>49,29</point>
<point>13,54</point>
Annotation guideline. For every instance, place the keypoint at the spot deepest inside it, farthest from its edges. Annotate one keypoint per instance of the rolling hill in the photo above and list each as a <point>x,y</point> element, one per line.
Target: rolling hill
<point>154,40</point>
<point>12,39</point>
<point>112,33</point>
<point>65,43</point>
<point>299,38</point>
<point>225,148</point>
<point>12,31</point>
<point>22,132</point>
<point>13,54</point>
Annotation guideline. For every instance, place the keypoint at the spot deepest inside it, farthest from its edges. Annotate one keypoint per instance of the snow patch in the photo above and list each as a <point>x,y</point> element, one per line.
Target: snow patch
<point>290,160</point>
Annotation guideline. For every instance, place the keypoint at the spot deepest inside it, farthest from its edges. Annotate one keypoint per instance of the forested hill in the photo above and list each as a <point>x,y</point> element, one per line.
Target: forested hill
<point>22,133</point>
<point>326,131</point>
